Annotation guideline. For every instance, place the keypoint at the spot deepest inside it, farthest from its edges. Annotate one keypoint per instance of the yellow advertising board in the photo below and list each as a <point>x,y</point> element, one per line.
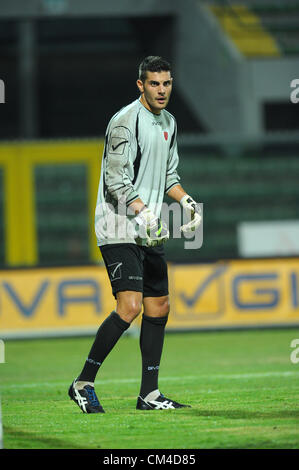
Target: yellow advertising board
<point>53,300</point>
<point>224,294</point>
<point>237,293</point>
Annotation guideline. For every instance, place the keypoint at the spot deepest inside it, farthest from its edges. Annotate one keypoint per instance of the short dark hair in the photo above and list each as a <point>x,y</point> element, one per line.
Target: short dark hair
<point>153,63</point>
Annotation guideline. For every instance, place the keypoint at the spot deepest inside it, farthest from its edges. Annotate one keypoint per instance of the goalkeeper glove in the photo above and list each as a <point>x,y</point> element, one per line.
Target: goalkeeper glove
<point>151,228</point>
<point>194,209</point>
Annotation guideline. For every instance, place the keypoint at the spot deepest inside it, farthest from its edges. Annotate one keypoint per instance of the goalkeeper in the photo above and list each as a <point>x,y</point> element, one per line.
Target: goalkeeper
<point>139,167</point>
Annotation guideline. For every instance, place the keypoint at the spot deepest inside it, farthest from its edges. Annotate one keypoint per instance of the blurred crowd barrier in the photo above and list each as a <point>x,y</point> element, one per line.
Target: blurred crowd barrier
<point>225,294</point>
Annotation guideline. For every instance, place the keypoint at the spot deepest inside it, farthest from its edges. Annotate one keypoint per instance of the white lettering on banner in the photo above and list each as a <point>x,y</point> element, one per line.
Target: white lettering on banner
<point>2,92</point>
<point>295,354</point>
<point>294,94</point>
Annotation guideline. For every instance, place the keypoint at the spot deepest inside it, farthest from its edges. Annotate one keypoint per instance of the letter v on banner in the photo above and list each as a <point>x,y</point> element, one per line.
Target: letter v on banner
<point>199,292</point>
<point>191,300</point>
<point>26,310</point>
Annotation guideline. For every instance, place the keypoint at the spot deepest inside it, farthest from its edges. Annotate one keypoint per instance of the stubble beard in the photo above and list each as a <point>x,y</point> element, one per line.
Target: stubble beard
<point>152,103</point>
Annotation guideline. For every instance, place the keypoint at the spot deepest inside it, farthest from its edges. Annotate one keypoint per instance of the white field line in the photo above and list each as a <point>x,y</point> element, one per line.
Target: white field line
<point>162,379</point>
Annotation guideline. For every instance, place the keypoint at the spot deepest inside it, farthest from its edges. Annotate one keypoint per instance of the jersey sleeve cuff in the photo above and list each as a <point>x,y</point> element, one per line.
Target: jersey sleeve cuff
<point>131,198</point>
<point>175,183</point>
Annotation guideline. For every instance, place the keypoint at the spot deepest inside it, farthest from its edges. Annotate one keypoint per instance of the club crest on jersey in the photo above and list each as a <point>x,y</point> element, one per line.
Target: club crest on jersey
<point>165,135</point>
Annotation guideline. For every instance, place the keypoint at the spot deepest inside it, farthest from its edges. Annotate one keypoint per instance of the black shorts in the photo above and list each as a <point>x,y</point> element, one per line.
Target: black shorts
<point>136,268</point>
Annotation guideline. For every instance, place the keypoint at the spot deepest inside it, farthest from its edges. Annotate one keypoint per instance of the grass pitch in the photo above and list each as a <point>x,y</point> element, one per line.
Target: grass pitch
<point>242,386</point>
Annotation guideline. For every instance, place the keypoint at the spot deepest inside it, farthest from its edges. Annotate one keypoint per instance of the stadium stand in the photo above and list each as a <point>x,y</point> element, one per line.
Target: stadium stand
<point>62,214</point>
<point>263,27</point>
<point>261,185</point>
<point>258,183</point>
<point>86,68</point>
<point>282,21</point>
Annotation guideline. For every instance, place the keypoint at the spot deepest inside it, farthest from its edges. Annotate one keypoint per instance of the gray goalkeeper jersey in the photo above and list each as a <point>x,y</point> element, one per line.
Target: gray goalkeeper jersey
<point>140,159</point>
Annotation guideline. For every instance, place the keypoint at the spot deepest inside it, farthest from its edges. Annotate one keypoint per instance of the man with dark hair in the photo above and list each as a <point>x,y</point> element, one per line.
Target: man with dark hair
<point>152,64</point>
<point>138,168</point>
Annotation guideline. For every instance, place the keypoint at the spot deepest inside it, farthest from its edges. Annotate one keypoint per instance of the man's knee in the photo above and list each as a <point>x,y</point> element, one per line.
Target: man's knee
<point>129,305</point>
<point>164,307</point>
<point>157,306</point>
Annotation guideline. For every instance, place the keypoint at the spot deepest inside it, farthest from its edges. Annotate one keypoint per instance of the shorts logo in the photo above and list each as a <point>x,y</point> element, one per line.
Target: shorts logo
<point>135,278</point>
<point>115,271</point>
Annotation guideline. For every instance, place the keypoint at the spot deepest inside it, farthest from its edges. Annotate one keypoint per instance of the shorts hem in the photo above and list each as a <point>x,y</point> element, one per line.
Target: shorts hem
<point>154,294</point>
<point>124,288</point>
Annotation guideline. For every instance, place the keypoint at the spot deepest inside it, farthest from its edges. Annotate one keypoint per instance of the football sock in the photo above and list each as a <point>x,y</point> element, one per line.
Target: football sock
<point>151,345</point>
<point>107,336</point>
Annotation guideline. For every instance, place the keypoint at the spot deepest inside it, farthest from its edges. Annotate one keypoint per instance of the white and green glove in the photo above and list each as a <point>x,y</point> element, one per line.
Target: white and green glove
<point>193,208</point>
<point>151,228</point>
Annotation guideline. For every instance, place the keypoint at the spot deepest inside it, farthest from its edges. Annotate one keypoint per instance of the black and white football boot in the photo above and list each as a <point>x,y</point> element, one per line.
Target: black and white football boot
<point>158,403</point>
<point>85,398</point>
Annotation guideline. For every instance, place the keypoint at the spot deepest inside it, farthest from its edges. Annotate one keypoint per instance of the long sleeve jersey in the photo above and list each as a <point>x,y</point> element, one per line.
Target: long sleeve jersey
<point>140,160</point>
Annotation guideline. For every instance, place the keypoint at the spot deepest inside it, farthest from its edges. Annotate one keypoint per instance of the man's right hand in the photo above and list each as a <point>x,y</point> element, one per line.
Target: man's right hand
<point>151,228</point>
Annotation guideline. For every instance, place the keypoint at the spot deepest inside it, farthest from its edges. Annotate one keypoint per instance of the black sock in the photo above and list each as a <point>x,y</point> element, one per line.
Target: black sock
<point>151,345</point>
<point>107,336</point>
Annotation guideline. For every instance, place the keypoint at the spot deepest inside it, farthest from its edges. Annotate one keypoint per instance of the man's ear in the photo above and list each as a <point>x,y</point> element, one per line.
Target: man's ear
<point>140,85</point>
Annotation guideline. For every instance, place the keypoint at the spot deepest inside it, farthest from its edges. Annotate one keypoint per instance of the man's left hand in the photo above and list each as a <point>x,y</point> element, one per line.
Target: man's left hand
<point>194,209</point>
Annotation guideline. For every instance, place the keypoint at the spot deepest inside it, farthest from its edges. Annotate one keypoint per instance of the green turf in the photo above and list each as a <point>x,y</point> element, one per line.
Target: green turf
<point>242,386</point>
